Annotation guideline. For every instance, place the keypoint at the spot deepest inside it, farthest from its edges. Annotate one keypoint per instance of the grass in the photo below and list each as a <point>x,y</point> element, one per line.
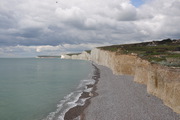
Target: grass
<point>88,51</point>
<point>156,51</point>
<point>73,54</point>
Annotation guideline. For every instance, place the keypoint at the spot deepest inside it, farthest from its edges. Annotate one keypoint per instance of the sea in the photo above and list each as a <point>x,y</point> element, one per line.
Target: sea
<point>42,88</point>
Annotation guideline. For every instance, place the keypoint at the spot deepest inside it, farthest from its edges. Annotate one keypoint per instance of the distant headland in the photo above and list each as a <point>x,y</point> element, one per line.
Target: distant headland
<point>48,56</point>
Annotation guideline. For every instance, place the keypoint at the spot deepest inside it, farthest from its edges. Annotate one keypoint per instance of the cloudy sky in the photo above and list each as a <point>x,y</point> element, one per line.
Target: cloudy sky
<point>52,27</point>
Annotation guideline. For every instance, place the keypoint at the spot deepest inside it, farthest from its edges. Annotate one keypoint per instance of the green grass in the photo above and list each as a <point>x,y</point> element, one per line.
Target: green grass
<point>110,48</point>
<point>174,55</point>
<point>73,54</point>
<point>88,51</point>
<point>156,51</point>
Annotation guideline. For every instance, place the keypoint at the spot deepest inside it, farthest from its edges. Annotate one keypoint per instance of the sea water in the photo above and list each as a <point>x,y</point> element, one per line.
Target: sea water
<point>41,89</point>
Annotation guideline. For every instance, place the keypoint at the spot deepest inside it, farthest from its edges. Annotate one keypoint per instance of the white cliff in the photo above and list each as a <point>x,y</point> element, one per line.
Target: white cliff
<point>161,81</point>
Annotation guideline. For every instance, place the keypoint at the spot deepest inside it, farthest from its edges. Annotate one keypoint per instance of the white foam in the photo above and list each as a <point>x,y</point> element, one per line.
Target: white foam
<point>60,118</point>
<point>71,100</point>
<point>82,101</point>
<point>78,118</point>
<point>86,82</point>
<point>68,96</point>
<point>88,90</point>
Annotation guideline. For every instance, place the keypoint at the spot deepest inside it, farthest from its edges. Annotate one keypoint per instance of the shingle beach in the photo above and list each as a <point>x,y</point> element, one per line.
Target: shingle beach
<point>120,98</point>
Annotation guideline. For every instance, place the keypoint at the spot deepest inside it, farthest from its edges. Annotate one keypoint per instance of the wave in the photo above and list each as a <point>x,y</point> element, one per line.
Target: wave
<point>72,100</point>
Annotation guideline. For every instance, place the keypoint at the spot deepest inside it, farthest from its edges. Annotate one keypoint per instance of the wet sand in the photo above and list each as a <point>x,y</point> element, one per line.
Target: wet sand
<point>119,98</point>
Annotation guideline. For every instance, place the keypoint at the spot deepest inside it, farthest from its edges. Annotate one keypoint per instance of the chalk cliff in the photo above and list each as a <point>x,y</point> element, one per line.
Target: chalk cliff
<point>161,81</point>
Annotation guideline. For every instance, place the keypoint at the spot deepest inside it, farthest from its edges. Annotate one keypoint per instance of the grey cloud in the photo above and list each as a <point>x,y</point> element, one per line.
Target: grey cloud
<point>6,20</point>
<point>127,13</point>
<point>28,33</point>
<point>73,25</point>
<point>41,23</point>
<point>174,9</point>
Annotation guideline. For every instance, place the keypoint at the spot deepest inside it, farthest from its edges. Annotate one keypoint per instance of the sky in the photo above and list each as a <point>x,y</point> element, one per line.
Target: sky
<point>137,3</point>
<point>52,27</point>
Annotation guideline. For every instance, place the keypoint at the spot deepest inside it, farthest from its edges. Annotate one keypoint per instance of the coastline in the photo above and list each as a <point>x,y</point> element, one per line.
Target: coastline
<point>155,64</point>
<point>120,98</point>
<point>77,112</point>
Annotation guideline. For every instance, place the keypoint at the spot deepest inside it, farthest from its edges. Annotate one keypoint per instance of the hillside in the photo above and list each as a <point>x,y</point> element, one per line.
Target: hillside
<point>165,52</point>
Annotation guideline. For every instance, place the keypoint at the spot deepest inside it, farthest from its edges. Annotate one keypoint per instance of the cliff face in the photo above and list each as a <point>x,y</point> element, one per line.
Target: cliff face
<point>164,83</point>
<point>120,64</point>
<point>161,81</point>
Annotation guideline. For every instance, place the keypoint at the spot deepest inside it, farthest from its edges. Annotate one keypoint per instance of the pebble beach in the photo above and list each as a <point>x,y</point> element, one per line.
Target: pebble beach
<point>120,98</point>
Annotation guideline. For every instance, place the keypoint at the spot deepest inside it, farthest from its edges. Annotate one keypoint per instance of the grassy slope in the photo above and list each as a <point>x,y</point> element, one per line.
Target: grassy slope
<point>165,52</point>
<point>71,54</point>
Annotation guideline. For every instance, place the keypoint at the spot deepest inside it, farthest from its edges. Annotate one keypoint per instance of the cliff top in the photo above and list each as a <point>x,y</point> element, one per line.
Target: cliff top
<point>70,54</point>
<point>165,52</point>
